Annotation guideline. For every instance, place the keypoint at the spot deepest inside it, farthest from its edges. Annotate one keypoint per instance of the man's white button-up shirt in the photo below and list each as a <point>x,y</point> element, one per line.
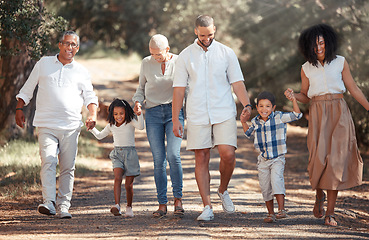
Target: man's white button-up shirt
<point>62,91</point>
<point>209,75</point>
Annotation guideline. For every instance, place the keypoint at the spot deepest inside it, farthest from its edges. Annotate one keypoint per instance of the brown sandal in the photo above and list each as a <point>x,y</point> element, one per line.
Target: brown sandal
<point>319,203</point>
<point>178,210</point>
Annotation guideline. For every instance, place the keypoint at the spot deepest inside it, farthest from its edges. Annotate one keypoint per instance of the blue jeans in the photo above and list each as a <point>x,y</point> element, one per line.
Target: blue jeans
<point>158,125</point>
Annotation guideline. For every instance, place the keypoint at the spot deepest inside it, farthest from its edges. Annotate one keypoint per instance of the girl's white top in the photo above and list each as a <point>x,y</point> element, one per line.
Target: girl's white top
<point>124,135</point>
<point>325,79</point>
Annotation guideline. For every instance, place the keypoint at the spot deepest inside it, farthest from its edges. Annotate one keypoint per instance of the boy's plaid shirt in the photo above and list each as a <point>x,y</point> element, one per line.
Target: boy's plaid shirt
<point>270,136</point>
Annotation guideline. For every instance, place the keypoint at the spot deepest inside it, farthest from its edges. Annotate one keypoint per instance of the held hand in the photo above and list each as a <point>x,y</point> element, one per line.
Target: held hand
<point>245,114</point>
<point>289,94</point>
<point>19,118</point>
<point>137,109</point>
<point>177,129</point>
<point>90,123</point>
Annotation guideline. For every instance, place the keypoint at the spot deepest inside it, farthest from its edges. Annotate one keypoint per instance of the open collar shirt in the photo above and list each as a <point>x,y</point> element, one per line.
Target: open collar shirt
<point>270,135</point>
<point>208,75</point>
<point>62,91</point>
<point>154,86</point>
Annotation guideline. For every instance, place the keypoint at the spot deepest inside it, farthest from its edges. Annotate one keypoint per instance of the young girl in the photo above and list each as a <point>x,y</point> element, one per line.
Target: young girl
<point>122,124</point>
<point>334,162</point>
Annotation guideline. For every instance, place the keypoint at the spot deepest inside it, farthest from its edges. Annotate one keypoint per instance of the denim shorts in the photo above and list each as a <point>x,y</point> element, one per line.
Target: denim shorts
<point>126,158</point>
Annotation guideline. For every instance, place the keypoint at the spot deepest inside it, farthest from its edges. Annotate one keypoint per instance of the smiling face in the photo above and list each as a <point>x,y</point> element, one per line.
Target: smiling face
<point>68,48</point>
<point>320,49</point>
<point>159,55</point>
<point>205,35</point>
<point>119,115</point>
<point>265,108</point>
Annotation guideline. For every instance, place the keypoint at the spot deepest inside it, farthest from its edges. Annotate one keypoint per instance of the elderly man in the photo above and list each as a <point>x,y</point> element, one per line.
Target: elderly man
<point>210,69</point>
<point>64,86</point>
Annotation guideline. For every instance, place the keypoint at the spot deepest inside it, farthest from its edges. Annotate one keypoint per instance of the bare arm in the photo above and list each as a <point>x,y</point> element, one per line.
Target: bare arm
<point>177,103</point>
<point>239,89</point>
<point>19,115</point>
<point>302,95</point>
<point>352,87</point>
<point>91,119</point>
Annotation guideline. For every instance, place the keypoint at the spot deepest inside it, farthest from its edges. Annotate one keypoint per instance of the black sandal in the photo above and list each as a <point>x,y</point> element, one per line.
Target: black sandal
<point>178,210</point>
<point>160,213</point>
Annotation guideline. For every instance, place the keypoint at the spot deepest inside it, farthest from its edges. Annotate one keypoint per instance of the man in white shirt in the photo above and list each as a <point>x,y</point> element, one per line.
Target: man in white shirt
<point>64,86</point>
<point>210,70</point>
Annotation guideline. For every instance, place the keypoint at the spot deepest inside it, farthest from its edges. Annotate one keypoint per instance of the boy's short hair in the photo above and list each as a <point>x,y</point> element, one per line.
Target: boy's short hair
<point>266,95</point>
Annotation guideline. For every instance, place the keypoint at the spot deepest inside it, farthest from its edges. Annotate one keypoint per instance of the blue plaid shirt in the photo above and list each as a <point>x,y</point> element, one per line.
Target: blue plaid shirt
<point>270,136</point>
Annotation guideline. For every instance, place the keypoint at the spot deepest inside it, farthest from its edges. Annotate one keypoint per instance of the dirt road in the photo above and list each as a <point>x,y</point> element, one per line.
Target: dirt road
<point>93,196</point>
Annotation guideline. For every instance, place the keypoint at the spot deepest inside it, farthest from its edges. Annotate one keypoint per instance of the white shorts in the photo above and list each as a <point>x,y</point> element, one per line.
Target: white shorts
<point>271,178</point>
<point>209,136</point>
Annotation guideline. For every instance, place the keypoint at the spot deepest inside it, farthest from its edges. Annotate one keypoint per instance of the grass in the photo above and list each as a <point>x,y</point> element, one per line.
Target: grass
<point>20,164</point>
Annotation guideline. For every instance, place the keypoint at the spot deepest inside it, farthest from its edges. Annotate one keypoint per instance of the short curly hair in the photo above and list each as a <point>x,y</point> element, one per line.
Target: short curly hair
<point>307,43</point>
<point>266,95</point>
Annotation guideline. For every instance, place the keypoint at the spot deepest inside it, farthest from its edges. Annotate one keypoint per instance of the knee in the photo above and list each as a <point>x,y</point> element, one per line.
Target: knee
<point>228,157</point>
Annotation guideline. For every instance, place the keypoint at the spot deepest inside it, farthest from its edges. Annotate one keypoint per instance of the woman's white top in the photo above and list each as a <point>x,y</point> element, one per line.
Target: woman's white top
<point>325,79</point>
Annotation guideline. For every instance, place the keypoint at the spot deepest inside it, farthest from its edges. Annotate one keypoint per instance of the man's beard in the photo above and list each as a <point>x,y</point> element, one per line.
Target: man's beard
<point>204,44</point>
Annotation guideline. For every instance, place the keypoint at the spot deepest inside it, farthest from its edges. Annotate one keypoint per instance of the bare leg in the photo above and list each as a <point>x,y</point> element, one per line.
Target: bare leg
<point>118,177</point>
<point>331,203</point>
<point>129,190</point>
<point>270,206</point>
<point>318,209</point>
<point>226,165</point>
<point>202,158</point>
<point>280,201</point>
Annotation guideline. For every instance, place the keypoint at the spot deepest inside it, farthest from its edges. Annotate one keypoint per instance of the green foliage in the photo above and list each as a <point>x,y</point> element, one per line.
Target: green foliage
<point>29,26</point>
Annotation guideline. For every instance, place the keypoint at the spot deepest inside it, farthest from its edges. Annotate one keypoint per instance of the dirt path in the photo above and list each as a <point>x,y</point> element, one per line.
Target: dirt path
<point>93,196</point>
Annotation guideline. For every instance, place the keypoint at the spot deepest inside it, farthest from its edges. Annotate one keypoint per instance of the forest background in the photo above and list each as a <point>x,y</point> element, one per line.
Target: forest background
<point>263,34</point>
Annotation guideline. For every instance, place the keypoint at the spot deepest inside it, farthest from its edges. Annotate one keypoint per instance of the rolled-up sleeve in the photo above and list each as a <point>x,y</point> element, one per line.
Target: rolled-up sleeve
<point>88,93</point>
<point>26,92</point>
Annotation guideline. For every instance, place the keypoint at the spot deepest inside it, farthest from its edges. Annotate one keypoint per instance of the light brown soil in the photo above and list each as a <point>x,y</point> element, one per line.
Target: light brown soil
<point>93,196</point>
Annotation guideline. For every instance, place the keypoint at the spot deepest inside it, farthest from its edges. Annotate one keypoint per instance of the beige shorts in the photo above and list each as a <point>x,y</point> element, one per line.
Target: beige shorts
<point>210,136</point>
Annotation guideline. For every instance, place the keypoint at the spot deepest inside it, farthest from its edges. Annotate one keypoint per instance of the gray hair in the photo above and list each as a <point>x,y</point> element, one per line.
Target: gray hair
<point>158,41</point>
<point>204,21</point>
<point>71,33</point>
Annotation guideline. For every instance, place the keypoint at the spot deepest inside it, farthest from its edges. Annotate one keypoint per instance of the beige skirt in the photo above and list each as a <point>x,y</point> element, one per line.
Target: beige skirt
<point>334,159</point>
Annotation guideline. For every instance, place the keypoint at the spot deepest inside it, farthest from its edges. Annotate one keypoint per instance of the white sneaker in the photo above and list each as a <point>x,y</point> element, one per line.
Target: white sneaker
<point>47,208</point>
<point>129,212</point>
<point>63,212</point>
<point>227,203</point>
<point>115,210</point>
<point>206,215</point>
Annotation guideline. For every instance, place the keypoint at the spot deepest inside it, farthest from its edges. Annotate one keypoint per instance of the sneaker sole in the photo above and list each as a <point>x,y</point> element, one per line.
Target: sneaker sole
<point>115,211</point>
<point>46,211</point>
<point>65,217</point>
<point>205,220</point>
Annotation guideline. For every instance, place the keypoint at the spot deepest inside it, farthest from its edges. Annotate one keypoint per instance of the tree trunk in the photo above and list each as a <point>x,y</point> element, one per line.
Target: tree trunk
<point>14,71</point>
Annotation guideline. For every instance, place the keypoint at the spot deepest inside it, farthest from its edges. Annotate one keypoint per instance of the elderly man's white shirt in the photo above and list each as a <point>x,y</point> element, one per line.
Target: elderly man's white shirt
<point>209,76</point>
<point>62,91</point>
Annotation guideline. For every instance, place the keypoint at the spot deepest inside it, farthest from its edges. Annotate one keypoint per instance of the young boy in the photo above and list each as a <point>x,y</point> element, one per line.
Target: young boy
<point>269,130</point>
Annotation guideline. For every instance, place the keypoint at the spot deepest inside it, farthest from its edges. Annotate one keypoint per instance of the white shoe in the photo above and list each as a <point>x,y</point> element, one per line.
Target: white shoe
<point>63,212</point>
<point>47,208</point>
<point>227,203</point>
<point>206,215</point>
<point>115,210</point>
<point>129,212</point>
